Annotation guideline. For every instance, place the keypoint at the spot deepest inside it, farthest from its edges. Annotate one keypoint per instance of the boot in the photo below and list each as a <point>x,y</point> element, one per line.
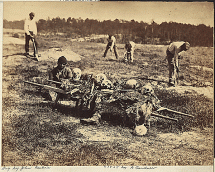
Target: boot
<point>171,83</point>
<point>27,54</point>
<point>93,120</point>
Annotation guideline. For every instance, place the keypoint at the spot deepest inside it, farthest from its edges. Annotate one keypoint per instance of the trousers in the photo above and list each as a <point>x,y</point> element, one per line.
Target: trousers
<point>27,39</point>
<point>107,48</point>
<point>172,68</point>
<point>129,55</point>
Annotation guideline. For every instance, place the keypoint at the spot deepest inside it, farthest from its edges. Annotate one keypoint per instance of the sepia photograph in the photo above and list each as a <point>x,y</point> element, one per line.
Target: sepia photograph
<point>107,84</point>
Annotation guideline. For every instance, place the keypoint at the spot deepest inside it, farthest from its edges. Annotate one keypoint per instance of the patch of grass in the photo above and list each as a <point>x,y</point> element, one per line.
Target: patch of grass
<point>201,56</point>
<point>36,134</point>
<point>7,102</point>
<point>196,105</point>
<point>28,72</point>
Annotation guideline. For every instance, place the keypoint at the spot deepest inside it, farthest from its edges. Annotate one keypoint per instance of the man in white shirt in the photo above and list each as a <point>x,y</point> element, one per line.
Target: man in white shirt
<point>172,52</point>
<point>112,45</point>
<point>30,28</point>
<point>129,46</point>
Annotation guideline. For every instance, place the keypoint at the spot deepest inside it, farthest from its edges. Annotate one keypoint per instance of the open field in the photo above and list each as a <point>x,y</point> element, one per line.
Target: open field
<point>35,134</point>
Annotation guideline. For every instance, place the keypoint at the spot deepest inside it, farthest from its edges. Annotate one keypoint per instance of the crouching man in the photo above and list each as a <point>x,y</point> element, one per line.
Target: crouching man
<point>63,77</point>
<point>129,54</point>
<point>58,74</point>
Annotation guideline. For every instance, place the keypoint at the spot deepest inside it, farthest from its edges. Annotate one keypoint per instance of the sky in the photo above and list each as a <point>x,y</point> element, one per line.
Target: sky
<point>180,12</point>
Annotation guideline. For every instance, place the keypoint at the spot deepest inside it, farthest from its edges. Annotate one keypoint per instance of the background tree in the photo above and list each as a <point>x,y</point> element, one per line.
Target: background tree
<point>139,32</point>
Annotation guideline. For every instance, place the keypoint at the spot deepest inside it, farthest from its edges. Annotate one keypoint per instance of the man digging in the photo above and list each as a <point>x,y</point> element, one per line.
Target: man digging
<point>172,52</point>
<point>111,45</point>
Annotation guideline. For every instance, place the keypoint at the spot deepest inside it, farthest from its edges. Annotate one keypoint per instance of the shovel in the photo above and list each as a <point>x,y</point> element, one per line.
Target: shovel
<point>35,49</point>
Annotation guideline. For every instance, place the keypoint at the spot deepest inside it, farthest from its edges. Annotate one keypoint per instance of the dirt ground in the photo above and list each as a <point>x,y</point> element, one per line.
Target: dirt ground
<point>35,134</point>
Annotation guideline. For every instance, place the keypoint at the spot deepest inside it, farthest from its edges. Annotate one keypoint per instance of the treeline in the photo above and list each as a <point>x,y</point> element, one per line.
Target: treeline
<point>13,24</point>
<point>139,32</point>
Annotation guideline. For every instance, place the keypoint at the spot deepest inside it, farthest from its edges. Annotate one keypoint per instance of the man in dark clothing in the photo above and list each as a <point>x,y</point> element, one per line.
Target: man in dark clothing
<point>59,74</point>
<point>61,71</point>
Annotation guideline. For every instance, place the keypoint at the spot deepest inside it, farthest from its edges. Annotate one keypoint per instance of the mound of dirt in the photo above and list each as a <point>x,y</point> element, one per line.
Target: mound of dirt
<point>11,40</point>
<point>203,68</point>
<point>54,53</point>
<point>206,91</point>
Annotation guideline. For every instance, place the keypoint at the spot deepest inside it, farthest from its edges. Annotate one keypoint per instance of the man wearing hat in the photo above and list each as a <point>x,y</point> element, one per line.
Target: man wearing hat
<point>172,52</point>
<point>59,73</point>
<point>30,28</point>
<point>112,45</point>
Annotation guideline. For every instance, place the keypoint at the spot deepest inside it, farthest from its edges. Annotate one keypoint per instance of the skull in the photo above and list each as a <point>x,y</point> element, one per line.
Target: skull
<point>131,84</point>
<point>147,89</point>
<point>100,78</point>
<point>140,130</point>
<point>107,84</point>
<point>76,74</point>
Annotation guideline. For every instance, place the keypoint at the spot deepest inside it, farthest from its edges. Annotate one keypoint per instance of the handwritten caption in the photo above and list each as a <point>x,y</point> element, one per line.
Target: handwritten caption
<point>24,168</point>
<point>132,167</point>
<point>28,168</point>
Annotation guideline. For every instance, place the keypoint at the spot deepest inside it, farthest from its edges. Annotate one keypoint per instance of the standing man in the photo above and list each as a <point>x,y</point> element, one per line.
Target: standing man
<point>112,45</point>
<point>129,46</point>
<point>172,52</point>
<point>30,28</point>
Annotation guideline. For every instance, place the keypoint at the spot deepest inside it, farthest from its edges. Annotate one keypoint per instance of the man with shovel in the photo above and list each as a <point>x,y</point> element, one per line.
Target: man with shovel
<point>30,28</point>
<point>172,52</point>
<point>111,45</point>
